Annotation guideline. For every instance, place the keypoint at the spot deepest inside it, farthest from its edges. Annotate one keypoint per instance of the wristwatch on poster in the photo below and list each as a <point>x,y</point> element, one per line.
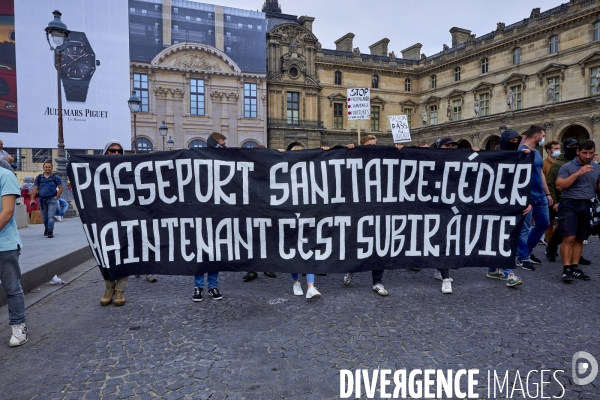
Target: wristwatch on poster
<point>77,66</point>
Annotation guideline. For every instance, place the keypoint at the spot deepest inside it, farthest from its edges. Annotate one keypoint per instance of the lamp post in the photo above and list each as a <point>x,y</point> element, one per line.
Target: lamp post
<point>170,143</point>
<point>135,104</point>
<point>163,129</point>
<point>502,128</point>
<point>57,30</point>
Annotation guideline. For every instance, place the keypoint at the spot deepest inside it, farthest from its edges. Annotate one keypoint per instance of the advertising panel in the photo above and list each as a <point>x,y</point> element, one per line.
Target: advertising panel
<point>8,66</point>
<point>94,75</point>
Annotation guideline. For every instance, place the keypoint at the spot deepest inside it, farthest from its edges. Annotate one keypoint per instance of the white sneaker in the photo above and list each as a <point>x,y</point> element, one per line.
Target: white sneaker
<point>585,242</point>
<point>59,218</point>
<point>438,275</point>
<point>446,286</point>
<point>298,289</point>
<point>56,217</point>
<point>151,278</point>
<point>380,290</point>
<point>347,279</point>
<point>312,293</point>
<point>19,335</point>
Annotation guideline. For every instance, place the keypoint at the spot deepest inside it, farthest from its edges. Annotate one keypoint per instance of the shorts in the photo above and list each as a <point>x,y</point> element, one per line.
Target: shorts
<point>574,218</point>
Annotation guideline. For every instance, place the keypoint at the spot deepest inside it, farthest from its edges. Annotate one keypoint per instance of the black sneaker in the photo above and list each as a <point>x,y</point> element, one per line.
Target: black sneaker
<point>197,294</point>
<point>215,294</point>
<point>550,256</point>
<point>534,260</point>
<point>579,274</point>
<point>567,276</point>
<point>270,274</point>
<point>50,234</point>
<point>525,265</point>
<point>249,276</point>
<point>45,232</point>
<point>584,261</point>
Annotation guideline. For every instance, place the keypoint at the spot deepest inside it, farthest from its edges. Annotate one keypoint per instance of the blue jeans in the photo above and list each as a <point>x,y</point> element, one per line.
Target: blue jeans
<point>310,278</point>
<point>63,207</point>
<point>48,206</point>
<point>213,280</point>
<point>530,237</point>
<point>10,275</point>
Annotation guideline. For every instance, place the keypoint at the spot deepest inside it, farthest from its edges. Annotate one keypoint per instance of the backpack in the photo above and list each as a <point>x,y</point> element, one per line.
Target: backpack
<point>40,176</point>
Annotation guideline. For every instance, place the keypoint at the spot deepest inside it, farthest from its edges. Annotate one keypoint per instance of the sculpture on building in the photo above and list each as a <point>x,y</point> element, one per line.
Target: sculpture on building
<point>477,107</point>
<point>598,83</point>
<point>550,92</point>
<point>318,46</point>
<point>392,56</point>
<point>423,56</point>
<point>356,51</point>
<point>510,100</point>
<point>500,27</point>
<point>449,112</point>
<point>293,46</point>
<point>445,48</point>
<point>424,118</point>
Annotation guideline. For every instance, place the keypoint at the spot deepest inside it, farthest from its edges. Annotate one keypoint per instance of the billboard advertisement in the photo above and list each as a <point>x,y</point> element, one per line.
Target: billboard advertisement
<point>8,68</point>
<point>93,75</point>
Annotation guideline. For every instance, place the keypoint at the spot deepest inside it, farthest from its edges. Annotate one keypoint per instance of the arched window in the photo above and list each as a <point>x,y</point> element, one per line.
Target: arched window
<point>433,81</point>
<point>407,85</point>
<point>457,74</point>
<point>484,66</point>
<point>197,143</point>
<point>249,144</point>
<point>338,78</point>
<point>143,145</point>
<point>516,56</point>
<point>375,82</point>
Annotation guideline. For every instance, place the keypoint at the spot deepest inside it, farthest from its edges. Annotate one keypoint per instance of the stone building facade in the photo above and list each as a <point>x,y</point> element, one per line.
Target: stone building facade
<point>541,70</point>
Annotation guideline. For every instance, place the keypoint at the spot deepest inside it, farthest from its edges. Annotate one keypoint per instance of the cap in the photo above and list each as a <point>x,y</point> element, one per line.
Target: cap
<point>447,141</point>
<point>570,143</point>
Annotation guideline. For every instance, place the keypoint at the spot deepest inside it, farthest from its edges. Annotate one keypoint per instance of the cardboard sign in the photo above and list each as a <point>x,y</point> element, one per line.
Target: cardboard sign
<point>359,104</point>
<point>400,130</point>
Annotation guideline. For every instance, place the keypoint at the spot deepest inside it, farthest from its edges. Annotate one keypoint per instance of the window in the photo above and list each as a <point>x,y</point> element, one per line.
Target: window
<point>144,12</point>
<point>197,143</point>
<point>175,41</point>
<point>457,74</point>
<point>228,49</point>
<point>228,34</point>
<point>250,97</point>
<point>131,9</point>
<point>484,104</point>
<point>259,27</point>
<point>210,32</point>
<point>456,110</point>
<point>187,17</point>
<point>593,80</point>
<point>554,44</point>
<point>249,144</point>
<point>196,96</point>
<point>240,25</point>
<point>228,18</point>
<point>556,81</point>
<point>249,26</point>
<point>175,27</point>
<point>209,15</point>
<point>517,91</point>
<point>375,82</point>
<point>198,19</point>
<point>374,118</point>
<point>156,25</point>
<point>293,108</point>
<point>175,10</point>
<point>140,85</point>
<point>408,113</point>
<point>433,110</point>
<point>484,66</point>
<point>156,7</point>
<point>433,81</point>
<point>338,116</point>
<point>516,56</point>
<point>596,26</point>
<point>143,145</point>
<point>338,78</point>
<point>157,41</point>
<point>41,155</point>
<point>407,85</point>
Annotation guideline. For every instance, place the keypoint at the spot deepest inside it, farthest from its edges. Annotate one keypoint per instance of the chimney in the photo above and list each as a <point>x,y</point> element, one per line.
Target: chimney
<point>413,52</point>
<point>345,42</point>
<point>459,36</point>
<point>380,48</point>
<point>306,22</point>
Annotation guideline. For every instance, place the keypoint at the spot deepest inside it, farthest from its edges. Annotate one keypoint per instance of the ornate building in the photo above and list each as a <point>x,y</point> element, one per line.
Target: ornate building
<point>543,70</point>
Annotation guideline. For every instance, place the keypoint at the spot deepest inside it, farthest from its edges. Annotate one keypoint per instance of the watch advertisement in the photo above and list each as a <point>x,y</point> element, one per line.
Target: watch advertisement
<point>8,73</point>
<point>91,72</point>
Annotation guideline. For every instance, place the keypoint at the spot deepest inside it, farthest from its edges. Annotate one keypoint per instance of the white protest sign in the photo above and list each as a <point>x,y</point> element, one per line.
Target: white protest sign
<point>400,130</point>
<point>359,104</point>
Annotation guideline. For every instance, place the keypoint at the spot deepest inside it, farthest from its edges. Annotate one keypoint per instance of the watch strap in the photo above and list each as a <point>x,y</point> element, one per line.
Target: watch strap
<point>79,37</point>
<point>76,90</point>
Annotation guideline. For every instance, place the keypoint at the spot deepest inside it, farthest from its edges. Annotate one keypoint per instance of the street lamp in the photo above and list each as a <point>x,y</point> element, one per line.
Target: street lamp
<point>170,143</point>
<point>135,104</point>
<point>57,30</point>
<point>163,129</point>
<point>502,128</point>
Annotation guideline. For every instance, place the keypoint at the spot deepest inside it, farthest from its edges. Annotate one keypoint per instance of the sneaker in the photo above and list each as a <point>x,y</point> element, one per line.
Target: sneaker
<point>216,295</point>
<point>312,293</point>
<point>585,242</point>
<point>270,274</point>
<point>380,290</point>
<point>197,294</point>
<point>579,274</point>
<point>59,218</point>
<point>567,276</point>
<point>45,232</point>
<point>107,296</point>
<point>543,241</point>
<point>550,257</point>
<point>19,335</point>
<point>525,265</point>
<point>249,276</point>
<point>56,217</point>
<point>584,261</point>
<point>446,286</point>
<point>151,278</point>
<point>497,274</point>
<point>438,275</point>
<point>533,259</point>
<point>119,298</point>
<point>298,289</point>
<point>513,280</point>
<point>50,235</point>
<point>347,279</point>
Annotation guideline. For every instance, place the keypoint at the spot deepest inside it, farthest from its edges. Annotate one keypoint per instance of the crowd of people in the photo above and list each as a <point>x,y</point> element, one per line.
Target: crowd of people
<point>564,190</point>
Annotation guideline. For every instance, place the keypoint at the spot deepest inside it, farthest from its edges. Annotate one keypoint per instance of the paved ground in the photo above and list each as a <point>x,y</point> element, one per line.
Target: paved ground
<point>261,342</point>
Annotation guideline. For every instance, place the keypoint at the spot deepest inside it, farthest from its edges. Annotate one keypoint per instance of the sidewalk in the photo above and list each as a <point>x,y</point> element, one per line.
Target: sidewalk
<point>42,258</point>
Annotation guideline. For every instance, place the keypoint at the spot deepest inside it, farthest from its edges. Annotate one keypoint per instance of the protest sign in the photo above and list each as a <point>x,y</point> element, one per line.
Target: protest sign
<point>400,129</point>
<point>359,104</point>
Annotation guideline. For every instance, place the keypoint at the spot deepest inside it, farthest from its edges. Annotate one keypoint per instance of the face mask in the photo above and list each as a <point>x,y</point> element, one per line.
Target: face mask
<point>570,154</point>
<point>542,142</point>
<point>555,154</point>
<point>512,146</point>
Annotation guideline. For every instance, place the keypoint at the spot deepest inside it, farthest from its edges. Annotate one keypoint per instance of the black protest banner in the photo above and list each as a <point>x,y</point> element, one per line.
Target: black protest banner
<point>314,211</point>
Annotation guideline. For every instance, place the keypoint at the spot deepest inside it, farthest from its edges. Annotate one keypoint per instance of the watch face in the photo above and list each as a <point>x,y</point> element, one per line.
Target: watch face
<point>77,62</point>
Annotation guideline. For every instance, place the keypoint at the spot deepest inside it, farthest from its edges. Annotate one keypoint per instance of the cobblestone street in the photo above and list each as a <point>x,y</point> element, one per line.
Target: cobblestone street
<point>262,342</point>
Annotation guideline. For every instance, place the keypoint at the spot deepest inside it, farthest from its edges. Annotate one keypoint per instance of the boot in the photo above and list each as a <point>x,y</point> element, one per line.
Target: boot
<point>119,298</point>
<point>19,335</point>
<point>107,296</point>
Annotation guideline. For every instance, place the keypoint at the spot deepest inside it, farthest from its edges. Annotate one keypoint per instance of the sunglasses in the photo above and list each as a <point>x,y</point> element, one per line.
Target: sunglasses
<point>113,151</point>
